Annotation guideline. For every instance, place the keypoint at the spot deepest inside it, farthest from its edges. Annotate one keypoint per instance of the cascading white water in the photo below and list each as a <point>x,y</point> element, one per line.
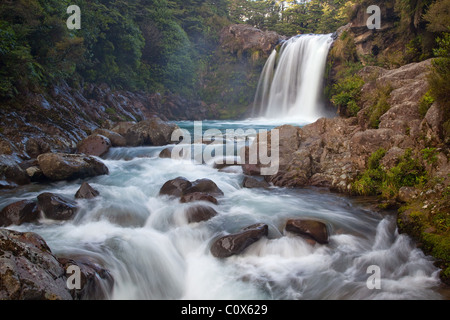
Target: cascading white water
<point>290,85</point>
<point>152,252</point>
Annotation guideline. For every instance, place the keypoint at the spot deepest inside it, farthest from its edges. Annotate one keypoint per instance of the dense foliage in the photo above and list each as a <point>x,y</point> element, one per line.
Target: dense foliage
<point>144,44</point>
<point>292,17</point>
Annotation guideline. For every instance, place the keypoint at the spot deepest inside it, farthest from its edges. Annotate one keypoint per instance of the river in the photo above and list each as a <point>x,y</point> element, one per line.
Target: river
<point>153,252</point>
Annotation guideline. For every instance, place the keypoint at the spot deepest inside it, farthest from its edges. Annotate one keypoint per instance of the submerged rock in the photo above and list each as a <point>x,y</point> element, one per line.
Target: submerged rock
<point>166,153</point>
<point>200,213</point>
<point>310,229</point>
<point>175,187</point>
<point>198,196</point>
<point>250,182</point>
<point>96,282</point>
<point>56,207</point>
<point>29,270</point>
<point>86,192</point>
<point>205,186</point>
<point>233,244</point>
<point>19,212</point>
<point>64,166</point>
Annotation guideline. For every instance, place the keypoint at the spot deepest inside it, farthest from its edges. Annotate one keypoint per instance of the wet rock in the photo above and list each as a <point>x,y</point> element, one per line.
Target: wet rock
<point>151,132</point>
<point>11,172</point>
<point>63,166</point>
<point>226,162</point>
<point>309,229</point>
<point>35,146</point>
<point>200,213</point>
<point>235,243</point>
<point>117,140</point>
<point>56,207</point>
<point>35,173</point>
<point>175,187</point>
<point>250,182</point>
<point>86,192</point>
<point>5,147</point>
<point>94,145</point>
<point>198,196</point>
<point>96,282</point>
<point>29,270</point>
<point>205,186</point>
<point>19,212</point>
<point>166,153</point>
<point>122,127</point>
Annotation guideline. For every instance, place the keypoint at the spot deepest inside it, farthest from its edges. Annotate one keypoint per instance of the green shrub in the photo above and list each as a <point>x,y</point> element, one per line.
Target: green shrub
<point>425,103</point>
<point>369,183</point>
<point>376,180</point>
<point>380,104</point>
<point>346,94</point>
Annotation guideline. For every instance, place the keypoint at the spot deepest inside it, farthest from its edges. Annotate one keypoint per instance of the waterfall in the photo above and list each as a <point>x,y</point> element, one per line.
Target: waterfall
<point>290,84</point>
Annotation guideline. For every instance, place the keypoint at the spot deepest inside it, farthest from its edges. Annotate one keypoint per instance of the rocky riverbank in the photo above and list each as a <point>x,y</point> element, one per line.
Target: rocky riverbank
<point>404,158</point>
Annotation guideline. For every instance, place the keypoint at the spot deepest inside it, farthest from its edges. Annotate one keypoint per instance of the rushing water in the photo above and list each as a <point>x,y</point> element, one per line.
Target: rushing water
<point>290,85</point>
<point>153,252</point>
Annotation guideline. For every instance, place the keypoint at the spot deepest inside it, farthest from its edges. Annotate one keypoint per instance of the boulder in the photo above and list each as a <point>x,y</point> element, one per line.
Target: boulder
<point>35,173</point>
<point>122,127</point>
<point>198,196</point>
<point>56,207</point>
<point>11,172</point>
<point>226,162</point>
<point>250,182</point>
<point>204,186</point>
<point>19,212</point>
<point>94,145</point>
<point>29,270</point>
<point>116,139</point>
<point>86,192</point>
<point>309,229</point>
<point>175,187</point>
<point>200,213</point>
<point>151,132</point>
<point>63,166</point>
<point>235,243</point>
<point>166,153</point>
<point>36,146</point>
<point>96,282</point>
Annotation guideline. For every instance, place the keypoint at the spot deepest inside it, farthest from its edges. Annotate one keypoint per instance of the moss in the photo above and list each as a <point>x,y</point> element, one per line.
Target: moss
<point>375,180</point>
<point>425,103</point>
<point>427,220</point>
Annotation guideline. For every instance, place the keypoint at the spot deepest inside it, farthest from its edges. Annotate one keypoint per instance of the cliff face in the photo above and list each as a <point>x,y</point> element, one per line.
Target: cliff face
<point>64,116</point>
<point>230,81</point>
